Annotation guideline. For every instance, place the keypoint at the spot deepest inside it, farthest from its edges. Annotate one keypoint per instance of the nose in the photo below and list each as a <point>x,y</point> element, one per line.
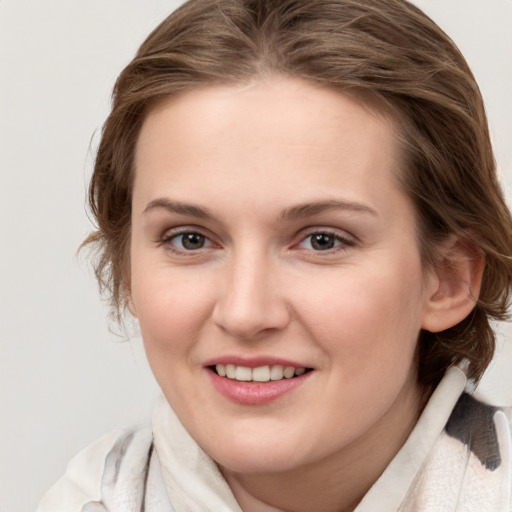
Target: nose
<point>251,300</point>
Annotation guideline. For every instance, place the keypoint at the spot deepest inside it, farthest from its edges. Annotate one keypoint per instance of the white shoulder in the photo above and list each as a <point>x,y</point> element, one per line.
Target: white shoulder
<point>82,480</point>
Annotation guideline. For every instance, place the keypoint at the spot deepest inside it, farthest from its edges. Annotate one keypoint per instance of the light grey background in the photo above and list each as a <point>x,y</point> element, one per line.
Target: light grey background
<point>64,379</point>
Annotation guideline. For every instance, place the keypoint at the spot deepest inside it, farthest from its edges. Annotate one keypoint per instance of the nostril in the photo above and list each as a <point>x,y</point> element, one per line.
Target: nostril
<point>249,303</point>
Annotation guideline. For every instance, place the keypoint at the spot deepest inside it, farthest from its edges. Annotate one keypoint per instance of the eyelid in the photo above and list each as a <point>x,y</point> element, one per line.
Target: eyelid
<point>174,231</point>
<point>169,234</point>
<point>347,240</point>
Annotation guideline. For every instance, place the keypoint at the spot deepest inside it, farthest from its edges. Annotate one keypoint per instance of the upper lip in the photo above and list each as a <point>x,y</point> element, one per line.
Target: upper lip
<point>254,362</point>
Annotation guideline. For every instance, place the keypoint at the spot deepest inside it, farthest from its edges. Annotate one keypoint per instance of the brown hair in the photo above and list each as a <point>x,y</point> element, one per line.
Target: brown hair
<point>388,49</point>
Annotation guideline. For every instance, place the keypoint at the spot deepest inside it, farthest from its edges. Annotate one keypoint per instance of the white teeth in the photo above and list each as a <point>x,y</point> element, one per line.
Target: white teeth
<point>289,372</point>
<point>230,371</point>
<point>243,373</point>
<point>259,374</point>
<point>276,372</point>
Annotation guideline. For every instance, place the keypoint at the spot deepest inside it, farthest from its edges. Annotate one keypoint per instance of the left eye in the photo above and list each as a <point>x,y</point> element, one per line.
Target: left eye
<point>189,241</point>
<point>323,241</point>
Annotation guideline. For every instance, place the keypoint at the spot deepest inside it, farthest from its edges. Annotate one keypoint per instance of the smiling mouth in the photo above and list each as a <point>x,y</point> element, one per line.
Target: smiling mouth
<point>259,374</point>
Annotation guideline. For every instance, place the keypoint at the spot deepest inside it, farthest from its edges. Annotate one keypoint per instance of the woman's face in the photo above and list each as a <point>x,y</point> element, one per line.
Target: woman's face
<point>270,238</point>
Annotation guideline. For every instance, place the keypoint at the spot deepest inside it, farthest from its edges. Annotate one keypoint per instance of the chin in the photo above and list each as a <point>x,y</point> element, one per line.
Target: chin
<point>257,455</point>
<point>255,462</point>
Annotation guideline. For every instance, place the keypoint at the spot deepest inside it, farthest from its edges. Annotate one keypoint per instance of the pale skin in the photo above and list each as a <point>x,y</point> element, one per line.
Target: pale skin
<point>255,175</point>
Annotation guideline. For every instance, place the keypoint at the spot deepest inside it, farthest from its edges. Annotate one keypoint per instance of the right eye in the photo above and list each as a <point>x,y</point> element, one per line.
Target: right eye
<point>187,241</point>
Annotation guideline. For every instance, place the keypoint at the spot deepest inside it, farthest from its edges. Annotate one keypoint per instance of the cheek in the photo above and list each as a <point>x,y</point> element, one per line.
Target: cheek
<point>171,317</point>
<point>171,308</point>
<point>368,317</point>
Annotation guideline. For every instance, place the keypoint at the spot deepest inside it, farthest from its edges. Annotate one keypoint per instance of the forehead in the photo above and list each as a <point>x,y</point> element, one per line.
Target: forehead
<point>273,135</point>
<point>293,102</point>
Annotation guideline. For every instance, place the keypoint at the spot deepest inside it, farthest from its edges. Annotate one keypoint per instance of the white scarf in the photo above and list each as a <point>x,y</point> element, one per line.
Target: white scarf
<point>191,477</point>
<point>456,459</point>
<point>433,471</point>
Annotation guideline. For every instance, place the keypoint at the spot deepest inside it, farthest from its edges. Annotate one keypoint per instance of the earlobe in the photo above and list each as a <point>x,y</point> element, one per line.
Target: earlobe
<point>454,285</point>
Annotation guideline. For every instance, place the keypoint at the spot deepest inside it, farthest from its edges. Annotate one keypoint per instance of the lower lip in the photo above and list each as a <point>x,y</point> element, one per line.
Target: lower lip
<point>255,393</point>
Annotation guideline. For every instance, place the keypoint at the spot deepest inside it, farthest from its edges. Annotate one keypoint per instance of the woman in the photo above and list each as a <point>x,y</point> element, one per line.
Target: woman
<point>298,202</point>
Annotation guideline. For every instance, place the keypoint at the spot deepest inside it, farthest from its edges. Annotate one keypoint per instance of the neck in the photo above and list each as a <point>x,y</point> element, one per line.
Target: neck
<point>336,483</point>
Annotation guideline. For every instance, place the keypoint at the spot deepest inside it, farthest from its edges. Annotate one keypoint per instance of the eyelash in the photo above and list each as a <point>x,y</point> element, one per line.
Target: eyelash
<point>343,242</point>
<point>169,236</point>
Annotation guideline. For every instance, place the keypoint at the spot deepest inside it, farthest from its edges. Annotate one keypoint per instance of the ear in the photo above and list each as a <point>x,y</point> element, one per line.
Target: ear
<point>454,285</point>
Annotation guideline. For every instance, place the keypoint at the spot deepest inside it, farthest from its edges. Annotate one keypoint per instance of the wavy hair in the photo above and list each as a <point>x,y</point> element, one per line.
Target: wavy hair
<point>384,49</point>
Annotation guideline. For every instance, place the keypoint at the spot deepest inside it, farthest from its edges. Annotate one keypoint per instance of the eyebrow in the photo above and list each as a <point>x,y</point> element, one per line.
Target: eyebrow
<point>179,208</point>
<point>305,210</point>
<point>299,211</point>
